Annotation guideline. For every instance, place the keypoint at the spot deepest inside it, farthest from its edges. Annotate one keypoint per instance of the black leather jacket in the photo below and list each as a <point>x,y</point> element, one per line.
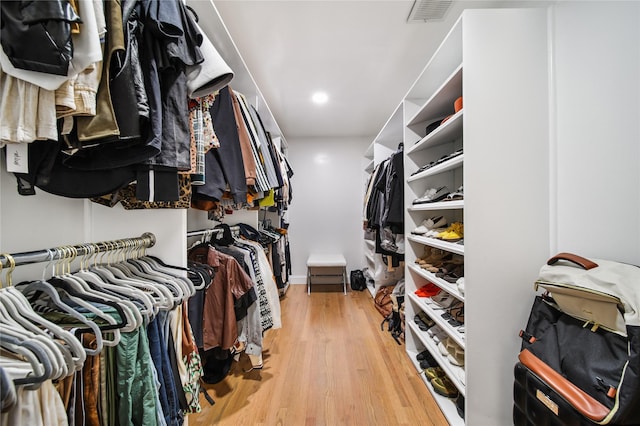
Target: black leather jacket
<point>36,34</point>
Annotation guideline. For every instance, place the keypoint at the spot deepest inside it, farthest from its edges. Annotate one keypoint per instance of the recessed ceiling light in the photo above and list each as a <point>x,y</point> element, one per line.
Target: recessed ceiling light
<point>320,98</point>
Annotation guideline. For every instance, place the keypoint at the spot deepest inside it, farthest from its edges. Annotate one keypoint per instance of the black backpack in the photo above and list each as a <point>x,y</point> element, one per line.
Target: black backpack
<point>357,280</point>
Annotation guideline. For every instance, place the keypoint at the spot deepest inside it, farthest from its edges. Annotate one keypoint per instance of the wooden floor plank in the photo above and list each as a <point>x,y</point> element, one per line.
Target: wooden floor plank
<point>329,365</point>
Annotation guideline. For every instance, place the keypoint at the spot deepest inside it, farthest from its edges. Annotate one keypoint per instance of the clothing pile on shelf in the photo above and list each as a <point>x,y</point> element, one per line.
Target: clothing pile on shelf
<point>237,305</point>
<point>129,102</point>
<point>384,206</point>
<point>109,344</point>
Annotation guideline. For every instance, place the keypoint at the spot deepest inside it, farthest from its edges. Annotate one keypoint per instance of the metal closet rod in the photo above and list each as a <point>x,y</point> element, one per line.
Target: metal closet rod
<point>233,228</point>
<point>146,240</point>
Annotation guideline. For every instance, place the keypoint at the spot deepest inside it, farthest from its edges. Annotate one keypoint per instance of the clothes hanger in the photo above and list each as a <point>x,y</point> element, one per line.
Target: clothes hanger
<point>19,308</point>
<point>128,311</point>
<point>135,303</point>
<point>33,353</point>
<point>121,274</point>
<point>75,290</point>
<point>170,271</point>
<point>40,287</point>
<point>61,360</point>
<point>64,287</point>
<point>142,269</point>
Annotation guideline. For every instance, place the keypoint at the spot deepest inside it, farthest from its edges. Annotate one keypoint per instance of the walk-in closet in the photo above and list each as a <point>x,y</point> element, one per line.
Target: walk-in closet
<point>218,212</point>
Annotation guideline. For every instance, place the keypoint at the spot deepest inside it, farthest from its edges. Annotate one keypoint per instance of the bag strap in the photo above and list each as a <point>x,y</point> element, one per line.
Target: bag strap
<point>581,401</point>
<point>573,258</point>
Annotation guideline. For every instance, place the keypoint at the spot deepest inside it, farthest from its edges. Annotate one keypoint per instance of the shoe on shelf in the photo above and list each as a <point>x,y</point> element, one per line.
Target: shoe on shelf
<point>427,290</point>
<point>455,232</point>
<point>432,195</point>
<point>435,256</point>
<point>428,253</point>
<point>442,300</point>
<point>434,232</point>
<point>426,319</point>
<point>452,351</point>
<point>460,406</point>
<point>444,387</point>
<point>429,224</point>
<point>434,372</point>
<point>427,360</point>
<point>460,285</point>
<point>457,195</point>
<point>423,322</point>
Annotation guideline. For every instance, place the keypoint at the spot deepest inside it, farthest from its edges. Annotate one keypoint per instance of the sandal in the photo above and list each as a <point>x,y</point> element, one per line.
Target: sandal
<point>457,195</point>
<point>434,372</point>
<point>443,300</point>
<point>444,387</point>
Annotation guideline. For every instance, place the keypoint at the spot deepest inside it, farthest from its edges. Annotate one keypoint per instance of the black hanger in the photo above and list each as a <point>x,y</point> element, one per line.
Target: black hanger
<point>227,237</point>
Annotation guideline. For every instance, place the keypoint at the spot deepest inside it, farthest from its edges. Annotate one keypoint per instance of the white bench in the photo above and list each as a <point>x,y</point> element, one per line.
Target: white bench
<point>326,265</point>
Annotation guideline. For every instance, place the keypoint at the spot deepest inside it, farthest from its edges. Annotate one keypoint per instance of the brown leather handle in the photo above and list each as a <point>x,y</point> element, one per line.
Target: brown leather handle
<point>581,401</point>
<point>573,258</point>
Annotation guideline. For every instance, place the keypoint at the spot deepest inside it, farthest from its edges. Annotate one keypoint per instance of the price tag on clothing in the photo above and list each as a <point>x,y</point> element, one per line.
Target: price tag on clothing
<point>17,158</point>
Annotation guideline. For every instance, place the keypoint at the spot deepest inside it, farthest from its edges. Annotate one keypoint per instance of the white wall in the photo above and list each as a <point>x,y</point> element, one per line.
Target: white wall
<point>597,136</point>
<point>326,210</point>
<point>43,221</point>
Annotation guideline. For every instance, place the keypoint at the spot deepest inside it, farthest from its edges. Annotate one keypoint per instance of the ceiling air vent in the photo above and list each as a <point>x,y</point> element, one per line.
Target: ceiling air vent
<point>428,10</point>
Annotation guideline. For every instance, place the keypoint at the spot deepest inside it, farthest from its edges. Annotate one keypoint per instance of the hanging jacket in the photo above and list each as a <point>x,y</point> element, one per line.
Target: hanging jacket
<point>44,26</point>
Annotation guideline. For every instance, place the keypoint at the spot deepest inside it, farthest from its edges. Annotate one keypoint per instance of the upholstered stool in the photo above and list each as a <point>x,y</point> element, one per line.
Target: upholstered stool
<point>325,267</point>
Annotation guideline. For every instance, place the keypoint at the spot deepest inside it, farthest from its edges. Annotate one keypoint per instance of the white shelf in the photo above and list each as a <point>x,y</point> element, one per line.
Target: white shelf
<point>445,285</point>
<point>432,242</point>
<point>447,405</point>
<point>369,167</point>
<point>391,133</point>
<point>454,163</point>
<point>441,103</point>
<point>370,258</point>
<point>453,371</point>
<point>435,315</point>
<point>369,152</point>
<point>450,130</point>
<point>442,205</point>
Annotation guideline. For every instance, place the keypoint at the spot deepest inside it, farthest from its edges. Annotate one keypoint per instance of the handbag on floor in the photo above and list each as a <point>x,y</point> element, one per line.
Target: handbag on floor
<point>580,358</point>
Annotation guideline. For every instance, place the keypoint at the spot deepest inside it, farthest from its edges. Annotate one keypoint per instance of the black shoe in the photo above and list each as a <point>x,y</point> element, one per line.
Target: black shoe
<point>460,406</point>
<point>426,359</point>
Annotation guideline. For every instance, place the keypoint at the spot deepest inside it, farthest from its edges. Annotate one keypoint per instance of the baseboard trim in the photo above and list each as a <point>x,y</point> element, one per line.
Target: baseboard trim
<point>298,279</point>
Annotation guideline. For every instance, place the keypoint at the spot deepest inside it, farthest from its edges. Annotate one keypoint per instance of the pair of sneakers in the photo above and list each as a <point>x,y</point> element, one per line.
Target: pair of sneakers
<point>430,224</point>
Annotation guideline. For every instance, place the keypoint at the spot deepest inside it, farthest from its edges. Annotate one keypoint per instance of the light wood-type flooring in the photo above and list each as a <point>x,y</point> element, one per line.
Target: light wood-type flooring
<point>330,364</point>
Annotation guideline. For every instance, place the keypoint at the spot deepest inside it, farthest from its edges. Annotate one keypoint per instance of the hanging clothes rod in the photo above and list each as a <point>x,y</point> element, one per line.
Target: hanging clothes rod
<point>146,240</point>
<point>211,231</point>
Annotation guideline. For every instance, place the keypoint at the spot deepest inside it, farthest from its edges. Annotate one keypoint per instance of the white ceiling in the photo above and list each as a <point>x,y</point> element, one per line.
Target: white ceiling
<point>363,53</point>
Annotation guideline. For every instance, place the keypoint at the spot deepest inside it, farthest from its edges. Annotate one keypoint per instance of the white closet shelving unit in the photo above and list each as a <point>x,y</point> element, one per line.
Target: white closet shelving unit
<point>382,146</point>
<point>503,170</point>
